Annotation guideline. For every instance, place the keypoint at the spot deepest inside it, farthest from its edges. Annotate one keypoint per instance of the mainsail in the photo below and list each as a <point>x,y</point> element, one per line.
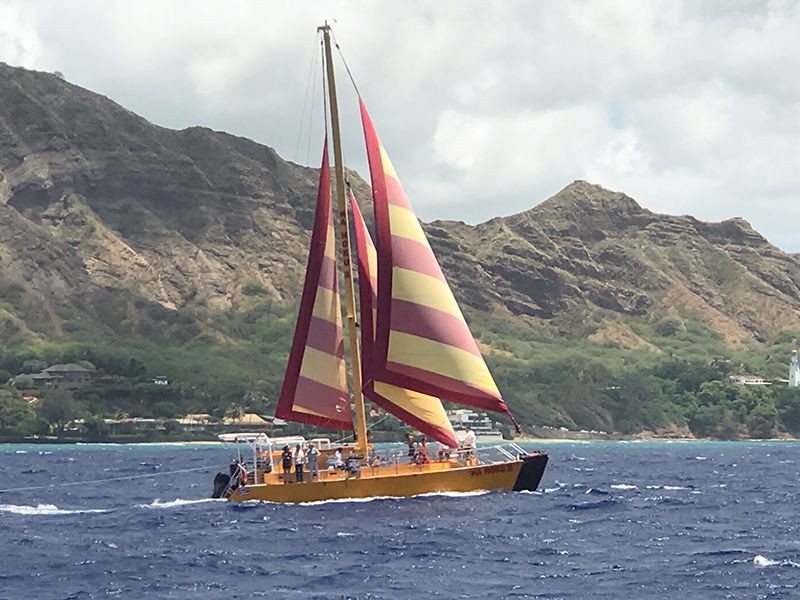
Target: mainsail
<point>421,411</point>
<point>315,385</point>
<point>422,341</point>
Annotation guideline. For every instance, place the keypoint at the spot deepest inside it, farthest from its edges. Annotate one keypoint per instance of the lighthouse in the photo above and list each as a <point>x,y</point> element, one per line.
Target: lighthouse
<point>794,371</point>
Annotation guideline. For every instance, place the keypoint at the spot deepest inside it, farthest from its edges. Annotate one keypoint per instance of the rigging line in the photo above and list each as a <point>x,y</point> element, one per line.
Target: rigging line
<point>311,65</point>
<point>97,481</point>
<point>324,89</point>
<point>313,103</point>
<point>348,436</point>
<point>346,66</point>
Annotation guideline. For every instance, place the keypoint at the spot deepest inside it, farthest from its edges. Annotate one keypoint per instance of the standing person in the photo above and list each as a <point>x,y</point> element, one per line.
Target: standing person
<point>411,447</point>
<point>468,445</point>
<point>422,451</point>
<point>286,462</point>
<point>313,462</point>
<point>299,463</point>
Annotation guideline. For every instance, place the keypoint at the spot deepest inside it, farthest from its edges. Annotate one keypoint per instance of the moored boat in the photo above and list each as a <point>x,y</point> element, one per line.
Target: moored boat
<point>410,349</point>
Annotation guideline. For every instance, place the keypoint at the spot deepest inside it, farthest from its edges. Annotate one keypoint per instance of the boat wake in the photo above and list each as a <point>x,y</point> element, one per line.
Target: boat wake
<point>374,498</point>
<point>47,509</point>
<point>157,503</point>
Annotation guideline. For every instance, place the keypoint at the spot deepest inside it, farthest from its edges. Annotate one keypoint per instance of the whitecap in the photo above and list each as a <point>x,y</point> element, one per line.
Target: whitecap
<point>20,451</point>
<point>623,486</point>
<point>701,458</point>
<point>763,561</point>
<point>157,503</point>
<point>46,509</point>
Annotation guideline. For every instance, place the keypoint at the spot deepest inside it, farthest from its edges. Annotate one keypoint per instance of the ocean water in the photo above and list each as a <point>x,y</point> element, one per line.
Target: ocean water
<point>611,520</point>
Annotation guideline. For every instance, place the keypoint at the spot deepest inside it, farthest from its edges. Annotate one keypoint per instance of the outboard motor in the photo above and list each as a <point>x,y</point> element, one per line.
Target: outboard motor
<point>221,486</point>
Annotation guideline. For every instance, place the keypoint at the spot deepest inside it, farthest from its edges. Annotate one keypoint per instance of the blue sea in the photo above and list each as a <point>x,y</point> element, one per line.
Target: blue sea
<point>611,520</point>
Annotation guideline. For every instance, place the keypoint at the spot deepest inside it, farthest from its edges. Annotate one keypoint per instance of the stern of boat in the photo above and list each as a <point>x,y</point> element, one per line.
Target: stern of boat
<point>530,474</point>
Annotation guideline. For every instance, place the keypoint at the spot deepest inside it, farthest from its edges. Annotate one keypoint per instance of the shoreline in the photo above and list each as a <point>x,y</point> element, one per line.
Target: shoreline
<point>519,440</point>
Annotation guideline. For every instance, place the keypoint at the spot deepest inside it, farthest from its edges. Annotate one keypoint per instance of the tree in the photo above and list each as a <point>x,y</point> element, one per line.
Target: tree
<point>16,415</point>
<point>762,421</point>
<point>96,428</point>
<point>58,408</point>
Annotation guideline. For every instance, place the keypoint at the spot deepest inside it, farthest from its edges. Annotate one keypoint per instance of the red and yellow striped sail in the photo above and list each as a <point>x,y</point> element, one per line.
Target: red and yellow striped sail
<point>423,412</point>
<point>422,341</point>
<point>315,385</point>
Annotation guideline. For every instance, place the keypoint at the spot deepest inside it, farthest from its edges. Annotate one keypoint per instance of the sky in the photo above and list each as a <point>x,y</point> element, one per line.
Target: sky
<point>485,107</point>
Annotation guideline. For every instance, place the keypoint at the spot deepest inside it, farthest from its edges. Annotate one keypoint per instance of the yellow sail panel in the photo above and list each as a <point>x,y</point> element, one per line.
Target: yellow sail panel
<point>314,388</point>
<point>418,409</point>
<point>422,341</point>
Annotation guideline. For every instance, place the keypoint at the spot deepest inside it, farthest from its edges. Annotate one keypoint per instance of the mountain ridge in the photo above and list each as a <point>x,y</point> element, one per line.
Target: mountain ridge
<point>188,215</point>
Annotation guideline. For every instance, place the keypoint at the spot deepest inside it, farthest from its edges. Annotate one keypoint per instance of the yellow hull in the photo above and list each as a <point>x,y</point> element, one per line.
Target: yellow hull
<point>400,481</point>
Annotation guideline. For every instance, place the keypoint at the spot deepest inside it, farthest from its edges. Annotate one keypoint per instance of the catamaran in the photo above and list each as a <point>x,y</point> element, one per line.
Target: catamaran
<point>414,351</point>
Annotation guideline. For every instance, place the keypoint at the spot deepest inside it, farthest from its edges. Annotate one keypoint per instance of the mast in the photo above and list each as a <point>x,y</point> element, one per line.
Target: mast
<point>344,236</point>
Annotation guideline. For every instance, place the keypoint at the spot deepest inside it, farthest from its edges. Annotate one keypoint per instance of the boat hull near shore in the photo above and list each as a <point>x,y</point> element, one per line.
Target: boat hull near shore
<point>403,480</point>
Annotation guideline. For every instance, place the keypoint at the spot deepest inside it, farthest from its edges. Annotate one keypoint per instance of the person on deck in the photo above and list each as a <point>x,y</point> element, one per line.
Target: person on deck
<point>411,446</point>
<point>422,452</point>
<point>286,462</point>
<point>313,462</point>
<point>338,463</point>
<point>468,445</point>
<point>299,463</point>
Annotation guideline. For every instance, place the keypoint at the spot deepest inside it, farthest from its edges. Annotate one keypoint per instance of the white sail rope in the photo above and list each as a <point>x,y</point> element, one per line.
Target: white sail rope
<point>96,481</point>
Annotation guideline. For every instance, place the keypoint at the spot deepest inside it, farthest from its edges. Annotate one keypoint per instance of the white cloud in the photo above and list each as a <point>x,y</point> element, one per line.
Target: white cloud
<point>485,108</point>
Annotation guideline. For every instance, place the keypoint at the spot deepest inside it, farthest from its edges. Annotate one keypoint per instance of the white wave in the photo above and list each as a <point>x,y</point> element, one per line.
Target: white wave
<point>157,503</point>
<point>20,451</point>
<point>623,486</point>
<point>763,561</point>
<point>46,509</point>
<point>373,498</point>
<point>701,458</point>
<point>344,534</point>
<point>671,488</point>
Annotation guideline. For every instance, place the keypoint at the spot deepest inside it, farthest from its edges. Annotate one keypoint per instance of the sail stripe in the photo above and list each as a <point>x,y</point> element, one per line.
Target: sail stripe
<point>431,383</point>
<point>411,255</point>
<point>322,336</point>
<point>404,224</point>
<point>441,359</point>
<point>440,362</point>
<point>327,274</point>
<point>312,390</point>
<point>323,368</point>
<point>405,286</point>
<point>432,324</point>
<point>315,388</point>
<point>326,306</point>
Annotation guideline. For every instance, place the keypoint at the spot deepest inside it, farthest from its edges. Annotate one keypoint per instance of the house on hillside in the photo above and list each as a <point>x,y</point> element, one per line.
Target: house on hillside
<point>195,421</point>
<point>67,375</point>
<point>250,420</point>
<point>748,380</point>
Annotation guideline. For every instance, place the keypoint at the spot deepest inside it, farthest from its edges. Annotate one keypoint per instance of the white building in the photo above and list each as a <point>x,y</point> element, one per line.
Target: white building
<point>794,370</point>
<point>748,380</point>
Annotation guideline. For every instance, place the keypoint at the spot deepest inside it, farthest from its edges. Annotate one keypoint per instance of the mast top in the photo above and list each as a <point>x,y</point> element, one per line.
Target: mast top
<point>324,27</point>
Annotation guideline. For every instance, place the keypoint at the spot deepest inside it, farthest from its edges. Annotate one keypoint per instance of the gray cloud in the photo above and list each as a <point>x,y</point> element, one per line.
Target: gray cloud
<point>485,108</point>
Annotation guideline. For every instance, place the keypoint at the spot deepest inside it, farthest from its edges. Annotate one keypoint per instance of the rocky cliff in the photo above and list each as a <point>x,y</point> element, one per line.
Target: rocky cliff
<point>107,217</point>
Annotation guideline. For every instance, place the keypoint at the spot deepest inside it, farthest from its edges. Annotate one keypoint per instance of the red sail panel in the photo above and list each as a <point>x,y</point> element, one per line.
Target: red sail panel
<point>422,341</point>
<point>315,385</point>
<point>423,412</point>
